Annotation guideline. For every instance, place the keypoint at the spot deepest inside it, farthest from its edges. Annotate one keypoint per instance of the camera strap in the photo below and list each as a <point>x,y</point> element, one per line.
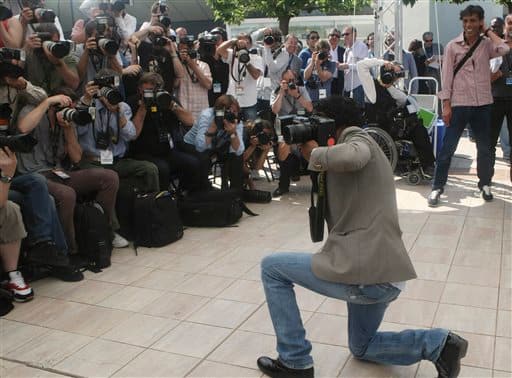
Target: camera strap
<point>317,211</point>
<point>467,56</point>
<point>191,74</point>
<point>242,70</point>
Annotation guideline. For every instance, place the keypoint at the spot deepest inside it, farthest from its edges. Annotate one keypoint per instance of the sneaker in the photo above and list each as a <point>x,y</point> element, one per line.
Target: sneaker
<point>119,241</point>
<point>486,193</point>
<point>434,197</point>
<point>17,286</point>
<point>448,363</point>
<point>67,273</point>
<point>47,253</point>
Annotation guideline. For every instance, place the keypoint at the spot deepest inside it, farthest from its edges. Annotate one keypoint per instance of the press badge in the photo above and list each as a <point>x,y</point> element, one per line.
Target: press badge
<point>322,93</point>
<point>217,88</point>
<point>301,112</point>
<point>266,82</point>
<point>61,174</point>
<point>239,90</point>
<point>508,79</point>
<point>106,157</point>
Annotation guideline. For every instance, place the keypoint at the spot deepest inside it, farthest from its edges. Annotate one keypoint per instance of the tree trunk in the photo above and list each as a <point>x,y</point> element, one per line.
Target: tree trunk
<point>284,23</point>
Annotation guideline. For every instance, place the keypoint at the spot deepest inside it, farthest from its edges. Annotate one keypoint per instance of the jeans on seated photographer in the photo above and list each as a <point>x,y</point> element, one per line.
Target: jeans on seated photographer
<point>56,150</point>
<point>384,101</point>
<point>105,140</point>
<point>218,133</point>
<point>289,98</point>
<point>258,141</point>
<point>159,120</point>
<point>49,63</point>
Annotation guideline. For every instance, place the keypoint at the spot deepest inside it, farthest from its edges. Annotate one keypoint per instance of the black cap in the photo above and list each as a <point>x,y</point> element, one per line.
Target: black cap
<point>221,31</point>
<point>118,6</point>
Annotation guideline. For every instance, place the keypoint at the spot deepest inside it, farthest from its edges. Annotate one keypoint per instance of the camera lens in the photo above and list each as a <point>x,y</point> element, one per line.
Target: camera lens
<point>112,95</point>
<point>322,55</point>
<point>268,40</point>
<point>58,49</point>
<point>108,45</point>
<point>243,56</point>
<point>163,99</point>
<point>192,54</point>
<point>298,133</point>
<point>80,117</point>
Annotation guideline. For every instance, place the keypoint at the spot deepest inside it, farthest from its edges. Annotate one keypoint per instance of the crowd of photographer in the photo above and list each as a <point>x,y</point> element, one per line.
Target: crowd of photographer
<point>116,107</point>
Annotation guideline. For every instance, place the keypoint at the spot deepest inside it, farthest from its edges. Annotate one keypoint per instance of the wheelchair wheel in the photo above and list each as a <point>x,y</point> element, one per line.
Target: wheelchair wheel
<point>413,178</point>
<point>386,143</point>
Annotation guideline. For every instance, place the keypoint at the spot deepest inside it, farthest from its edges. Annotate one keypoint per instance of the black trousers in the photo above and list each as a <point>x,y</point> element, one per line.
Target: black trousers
<point>196,176</point>
<point>421,140</point>
<point>501,108</point>
<point>231,171</point>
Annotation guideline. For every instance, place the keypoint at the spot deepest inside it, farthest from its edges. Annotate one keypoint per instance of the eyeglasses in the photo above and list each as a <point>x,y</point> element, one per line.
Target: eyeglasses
<point>427,40</point>
<point>334,35</point>
<point>345,34</point>
<point>314,37</point>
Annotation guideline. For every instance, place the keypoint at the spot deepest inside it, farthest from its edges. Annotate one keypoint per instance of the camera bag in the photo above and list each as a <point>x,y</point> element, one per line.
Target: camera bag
<point>256,196</point>
<point>6,299</point>
<point>93,235</point>
<point>212,209</point>
<point>156,220</point>
<point>317,211</point>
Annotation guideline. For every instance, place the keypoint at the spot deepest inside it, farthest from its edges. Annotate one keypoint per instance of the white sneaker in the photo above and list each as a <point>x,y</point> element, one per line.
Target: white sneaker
<point>119,241</point>
<point>486,193</point>
<point>255,175</point>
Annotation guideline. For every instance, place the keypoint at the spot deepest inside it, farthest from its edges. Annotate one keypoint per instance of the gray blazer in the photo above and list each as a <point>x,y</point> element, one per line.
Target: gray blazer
<point>364,245</point>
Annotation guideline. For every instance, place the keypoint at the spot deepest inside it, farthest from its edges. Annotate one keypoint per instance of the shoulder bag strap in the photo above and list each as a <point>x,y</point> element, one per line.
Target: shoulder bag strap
<point>467,56</point>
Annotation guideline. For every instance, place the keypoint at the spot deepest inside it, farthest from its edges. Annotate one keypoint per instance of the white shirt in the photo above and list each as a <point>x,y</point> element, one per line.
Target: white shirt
<point>334,58</point>
<point>354,54</point>
<point>126,25</point>
<point>241,84</point>
<point>275,66</point>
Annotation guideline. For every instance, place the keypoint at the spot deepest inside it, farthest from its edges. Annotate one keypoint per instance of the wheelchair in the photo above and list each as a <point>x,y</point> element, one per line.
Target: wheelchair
<point>399,149</point>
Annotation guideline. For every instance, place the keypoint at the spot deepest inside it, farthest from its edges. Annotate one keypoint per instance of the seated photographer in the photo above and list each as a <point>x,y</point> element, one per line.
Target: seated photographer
<point>158,53</point>
<point>49,64</point>
<point>57,151</point>
<point>45,242</point>
<point>289,98</point>
<point>245,69</point>
<point>218,133</point>
<point>363,262</point>
<point>105,140</point>
<point>11,232</point>
<point>194,85</point>
<point>158,120</point>
<point>258,141</point>
<point>11,32</point>
<point>319,72</point>
<point>383,102</point>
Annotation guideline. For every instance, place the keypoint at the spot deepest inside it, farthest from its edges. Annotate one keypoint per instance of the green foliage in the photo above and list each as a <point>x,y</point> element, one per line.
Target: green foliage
<point>507,3</point>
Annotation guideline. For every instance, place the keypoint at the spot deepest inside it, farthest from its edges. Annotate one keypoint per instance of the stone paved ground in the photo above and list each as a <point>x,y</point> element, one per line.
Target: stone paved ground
<point>196,307</point>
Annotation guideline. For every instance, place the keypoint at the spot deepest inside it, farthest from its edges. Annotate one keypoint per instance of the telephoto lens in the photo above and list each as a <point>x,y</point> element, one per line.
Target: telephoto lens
<point>268,40</point>
<point>298,133</point>
<point>79,116</point>
<point>58,49</point>
<point>112,95</point>
<point>322,55</point>
<point>44,15</point>
<point>243,56</point>
<point>163,99</point>
<point>108,45</point>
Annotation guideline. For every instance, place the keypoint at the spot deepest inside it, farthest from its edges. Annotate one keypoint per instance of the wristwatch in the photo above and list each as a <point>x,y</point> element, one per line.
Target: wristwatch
<point>5,178</point>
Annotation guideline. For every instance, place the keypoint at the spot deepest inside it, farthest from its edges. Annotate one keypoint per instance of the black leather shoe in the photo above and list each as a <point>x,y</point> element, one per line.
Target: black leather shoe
<point>279,192</point>
<point>448,363</point>
<point>275,369</point>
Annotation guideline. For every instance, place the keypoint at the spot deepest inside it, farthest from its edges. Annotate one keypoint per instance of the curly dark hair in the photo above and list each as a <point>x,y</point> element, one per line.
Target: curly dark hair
<point>343,110</point>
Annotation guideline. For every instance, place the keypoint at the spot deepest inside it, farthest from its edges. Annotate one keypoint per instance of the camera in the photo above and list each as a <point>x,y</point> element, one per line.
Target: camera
<point>221,115</point>
<point>163,6</point>
<point>102,139</point>
<point>322,55</point>
<point>188,40</point>
<point>8,54</point>
<point>388,76</point>
<point>19,143</point>
<point>160,41</point>
<point>5,13</point>
<point>107,81</point>
<point>243,56</point>
<point>58,49</point>
<point>269,40</point>
<point>157,100</point>
<point>207,44</point>
<point>301,130</point>
<point>104,43</point>
<point>206,38</point>
<point>258,130</point>
<point>165,21</point>
<point>292,85</point>
<point>80,116</point>
<point>112,95</point>
<point>43,15</point>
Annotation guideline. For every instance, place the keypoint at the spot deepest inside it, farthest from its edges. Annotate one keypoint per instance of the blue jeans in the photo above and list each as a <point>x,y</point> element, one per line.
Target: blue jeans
<point>366,306</point>
<point>479,118</point>
<point>30,192</point>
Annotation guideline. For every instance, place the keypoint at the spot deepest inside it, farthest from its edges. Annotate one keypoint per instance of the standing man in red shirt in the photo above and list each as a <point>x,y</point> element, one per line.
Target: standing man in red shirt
<point>467,97</point>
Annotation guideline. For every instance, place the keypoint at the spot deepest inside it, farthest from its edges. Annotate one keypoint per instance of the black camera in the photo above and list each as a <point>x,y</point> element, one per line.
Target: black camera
<point>43,15</point>
<point>292,85</point>
<point>80,116</point>
<point>18,143</point>
<point>192,53</point>
<point>207,44</point>
<point>5,114</point>
<point>5,13</point>
<point>102,139</point>
<point>58,49</point>
<point>388,76</point>
<point>208,39</point>
<point>160,41</point>
<point>157,100</point>
<point>322,55</point>
<point>107,81</point>
<point>163,6</point>
<point>269,40</point>
<point>112,95</point>
<point>243,56</point>
<point>221,115</point>
<point>165,21</point>
<point>108,45</point>
<point>104,43</point>
<point>188,40</point>
<point>320,129</point>
<point>8,54</point>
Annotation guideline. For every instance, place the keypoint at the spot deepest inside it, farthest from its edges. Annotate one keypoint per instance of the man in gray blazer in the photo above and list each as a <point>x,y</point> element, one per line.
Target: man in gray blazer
<point>363,262</point>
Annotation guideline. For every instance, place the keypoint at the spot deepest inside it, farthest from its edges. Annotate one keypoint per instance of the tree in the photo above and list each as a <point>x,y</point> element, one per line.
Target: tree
<point>506,3</point>
<point>235,11</point>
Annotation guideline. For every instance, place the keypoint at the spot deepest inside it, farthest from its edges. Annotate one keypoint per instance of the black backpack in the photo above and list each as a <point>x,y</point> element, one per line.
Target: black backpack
<point>93,235</point>
<point>212,209</point>
<point>156,220</point>
<point>6,299</point>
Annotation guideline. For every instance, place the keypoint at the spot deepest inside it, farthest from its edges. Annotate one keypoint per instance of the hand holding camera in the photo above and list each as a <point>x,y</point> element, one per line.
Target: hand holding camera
<point>90,44</point>
<point>7,162</point>
<point>19,83</point>
<point>91,89</point>
<point>27,15</point>
<point>229,126</point>
<point>59,100</point>
<point>33,42</point>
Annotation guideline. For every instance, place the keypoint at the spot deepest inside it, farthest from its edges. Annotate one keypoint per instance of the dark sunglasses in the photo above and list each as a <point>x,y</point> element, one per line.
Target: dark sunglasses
<point>427,40</point>
<point>334,35</point>
<point>345,34</point>
<point>314,37</point>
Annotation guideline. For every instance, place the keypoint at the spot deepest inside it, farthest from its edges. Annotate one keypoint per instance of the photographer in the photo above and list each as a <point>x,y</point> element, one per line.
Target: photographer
<point>219,70</point>
<point>159,15</point>
<point>194,85</point>
<point>11,31</point>
<point>158,120</point>
<point>45,241</point>
<point>218,133</point>
<point>57,151</point>
<point>319,71</point>
<point>245,69</point>
<point>289,98</point>
<point>363,262</point>
<point>104,141</point>
<point>43,68</point>
<point>258,141</point>
<point>385,100</point>
<point>11,232</point>
<point>33,12</point>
